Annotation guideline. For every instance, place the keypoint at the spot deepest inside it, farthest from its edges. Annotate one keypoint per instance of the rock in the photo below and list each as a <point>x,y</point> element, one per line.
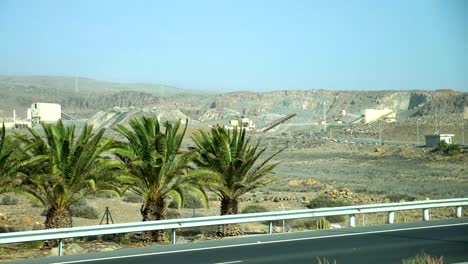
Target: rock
<point>38,226</point>
<point>4,229</point>
<point>74,248</point>
<point>54,251</point>
<point>106,249</point>
<point>25,220</point>
<point>335,226</point>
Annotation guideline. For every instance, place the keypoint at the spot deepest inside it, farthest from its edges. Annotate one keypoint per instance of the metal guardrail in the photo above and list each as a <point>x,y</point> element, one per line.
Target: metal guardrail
<point>270,217</point>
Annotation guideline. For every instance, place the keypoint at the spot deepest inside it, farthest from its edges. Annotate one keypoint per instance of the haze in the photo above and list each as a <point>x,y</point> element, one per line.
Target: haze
<point>241,45</point>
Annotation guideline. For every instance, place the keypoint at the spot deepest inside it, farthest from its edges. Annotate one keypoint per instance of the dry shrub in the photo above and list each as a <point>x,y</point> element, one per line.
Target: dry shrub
<point>131,197</point>
<point>424,259</point>
<point>323,202</point>
<point>325,261</point>
<point>9,200</point>
<point>309,224</point>
<point>254,208</point>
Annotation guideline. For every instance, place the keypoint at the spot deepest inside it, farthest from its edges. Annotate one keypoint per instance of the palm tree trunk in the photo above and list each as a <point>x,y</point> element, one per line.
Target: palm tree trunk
<point>58,217</point>
<point>153,210</point>
<point>229,207</point>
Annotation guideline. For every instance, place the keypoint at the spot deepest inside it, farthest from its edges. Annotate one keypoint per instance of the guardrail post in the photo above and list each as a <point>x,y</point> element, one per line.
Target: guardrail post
<point>173,236</point>
<point>426,214</point>
<point>60,247</point>
<point>352,220</point>
<point>391,217</point>
<point>270,227</point>
<point>459,211</point>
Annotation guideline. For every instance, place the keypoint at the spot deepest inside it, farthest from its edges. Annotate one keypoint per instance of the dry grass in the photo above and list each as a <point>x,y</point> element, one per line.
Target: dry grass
<point>424,259</point>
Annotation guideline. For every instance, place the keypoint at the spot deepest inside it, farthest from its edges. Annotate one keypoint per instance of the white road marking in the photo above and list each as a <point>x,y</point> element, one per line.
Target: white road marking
<point>256,243</point>
<point>230,262</point>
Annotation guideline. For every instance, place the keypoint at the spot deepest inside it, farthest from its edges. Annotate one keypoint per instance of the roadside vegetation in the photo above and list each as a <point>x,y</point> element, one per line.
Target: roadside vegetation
<point>9,164</point>
<point>63,169</point>
<point>424,259</point>
<point>158,169</point>
<point>235,159</point>
<point>57,169</point>
<point>447,149</point>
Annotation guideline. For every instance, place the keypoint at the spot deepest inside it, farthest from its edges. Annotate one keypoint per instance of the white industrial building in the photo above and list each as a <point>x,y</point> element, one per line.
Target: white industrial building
<point>433,140</point>
<point>44,112</point>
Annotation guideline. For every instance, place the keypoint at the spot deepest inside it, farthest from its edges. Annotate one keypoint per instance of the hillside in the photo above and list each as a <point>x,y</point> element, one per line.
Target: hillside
<point>81,97</point>
<point>312,105</point>
<point>18,92</point>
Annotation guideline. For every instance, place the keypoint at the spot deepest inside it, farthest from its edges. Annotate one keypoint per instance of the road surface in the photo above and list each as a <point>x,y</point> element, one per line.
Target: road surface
<point>376,244</point>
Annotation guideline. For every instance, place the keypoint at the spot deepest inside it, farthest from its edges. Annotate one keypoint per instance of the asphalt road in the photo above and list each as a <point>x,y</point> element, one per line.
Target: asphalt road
<point>377,244</point>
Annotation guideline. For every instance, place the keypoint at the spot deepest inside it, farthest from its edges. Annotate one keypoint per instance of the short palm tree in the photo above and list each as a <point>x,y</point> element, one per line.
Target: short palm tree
<point>235,158</point>
<point>157,167</point>
<point>9,164</point>
<point>66,169</point>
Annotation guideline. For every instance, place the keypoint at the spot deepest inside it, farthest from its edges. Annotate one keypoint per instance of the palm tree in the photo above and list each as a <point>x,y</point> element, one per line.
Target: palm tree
<point>9,164</point>
<point>234,157</point>
<point>66,169</point>
<point>158,169</point>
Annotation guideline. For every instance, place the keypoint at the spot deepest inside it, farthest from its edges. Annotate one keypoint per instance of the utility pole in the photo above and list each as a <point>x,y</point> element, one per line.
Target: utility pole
<point>380,135</point>
<point>417,132</point>
<point>325,117</point>
<point>77,89</point>
<point>463,129</point>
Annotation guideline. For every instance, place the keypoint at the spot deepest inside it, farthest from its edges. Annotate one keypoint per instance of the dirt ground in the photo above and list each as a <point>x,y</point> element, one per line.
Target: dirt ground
<point>358,173</point>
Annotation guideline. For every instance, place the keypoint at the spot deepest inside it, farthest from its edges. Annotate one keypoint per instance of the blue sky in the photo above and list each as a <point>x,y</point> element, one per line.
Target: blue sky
<point>242,45</point>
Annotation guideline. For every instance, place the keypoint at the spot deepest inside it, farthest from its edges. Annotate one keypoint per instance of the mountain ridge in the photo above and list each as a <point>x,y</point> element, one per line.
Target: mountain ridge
<point>19,92</point>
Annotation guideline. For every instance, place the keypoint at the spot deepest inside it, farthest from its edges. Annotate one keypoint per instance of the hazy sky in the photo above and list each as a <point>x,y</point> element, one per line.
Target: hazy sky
<point>241,45</point>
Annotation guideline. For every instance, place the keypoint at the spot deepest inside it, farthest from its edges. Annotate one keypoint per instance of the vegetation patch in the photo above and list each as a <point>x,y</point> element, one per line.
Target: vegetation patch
<point>323,202</point>
<point>131,197</point>
<point>83,210</point>
<point>9,200</point>
<point>254,208</point>
<point>309,224</point>
<point>424,259</point>
<point>447,149</point>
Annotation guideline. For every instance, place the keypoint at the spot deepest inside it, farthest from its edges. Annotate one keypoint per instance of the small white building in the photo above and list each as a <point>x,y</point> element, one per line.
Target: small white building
<point>433,140</point>
<point>45,112</point>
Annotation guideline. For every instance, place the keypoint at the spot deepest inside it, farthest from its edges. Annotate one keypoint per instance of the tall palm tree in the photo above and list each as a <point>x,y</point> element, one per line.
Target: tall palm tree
<point>9,164</point>
<point>233,155</point>
<point>67,169</point>
<point>158,169</point>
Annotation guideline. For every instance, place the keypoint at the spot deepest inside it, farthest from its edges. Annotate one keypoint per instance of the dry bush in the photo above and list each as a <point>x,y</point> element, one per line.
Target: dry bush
<point>9,200</point>
<point>424,259</point>
<point>309,224</point>
<point>325,261</point>
<point>131,197</point>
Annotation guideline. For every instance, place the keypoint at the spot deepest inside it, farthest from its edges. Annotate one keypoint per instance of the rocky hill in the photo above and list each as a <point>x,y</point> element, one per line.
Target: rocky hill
<point>81,97</point>
<point>86,97</point>
<point>313,105</point>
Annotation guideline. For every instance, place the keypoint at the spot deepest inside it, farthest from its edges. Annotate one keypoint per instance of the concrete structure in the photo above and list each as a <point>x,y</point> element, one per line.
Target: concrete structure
<point>433,140</point>
<point>373,115</point>
<point>244,122</point>
<point>45,112</point>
